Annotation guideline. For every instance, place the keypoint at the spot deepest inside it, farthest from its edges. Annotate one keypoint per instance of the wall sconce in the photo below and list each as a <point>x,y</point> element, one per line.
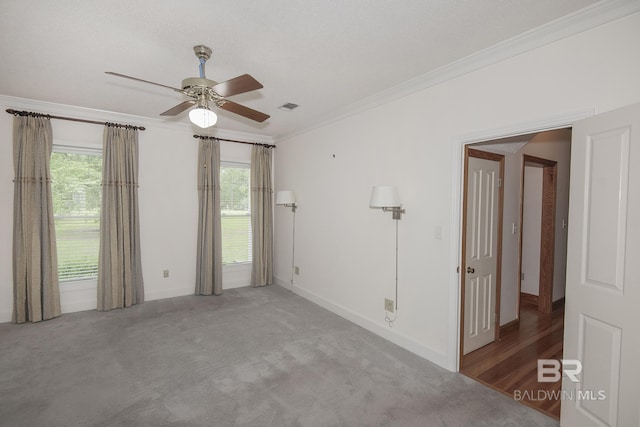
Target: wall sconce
<point>386,197</point>
<point>288,199</point>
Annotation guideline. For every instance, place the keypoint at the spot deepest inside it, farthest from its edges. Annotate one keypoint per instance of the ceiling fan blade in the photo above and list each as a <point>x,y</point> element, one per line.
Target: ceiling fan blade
<point>244,111</point>
<point>240,84</point>
<point>179,108</point>
<point>143,81</point>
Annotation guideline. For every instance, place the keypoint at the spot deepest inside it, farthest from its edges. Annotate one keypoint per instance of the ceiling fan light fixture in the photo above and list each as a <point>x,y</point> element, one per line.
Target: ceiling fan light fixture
<point>203,117</point>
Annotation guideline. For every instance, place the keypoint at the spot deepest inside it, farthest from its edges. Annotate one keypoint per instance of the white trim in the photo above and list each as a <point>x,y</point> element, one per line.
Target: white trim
<point>379,329</point>
<point>236,164</point>
<point>76,306</point>
<point>553,122</point>
<point>68,147</point>
<point>102,115</point>
<point>582,20</point>
<point>168,293</point>
<point>234,285</point>
<point>453,363</point>
<point>523,128</point>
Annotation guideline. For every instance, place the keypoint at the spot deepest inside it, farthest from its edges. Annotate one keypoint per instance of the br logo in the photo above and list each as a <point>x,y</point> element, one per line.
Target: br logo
<point>551,370</point>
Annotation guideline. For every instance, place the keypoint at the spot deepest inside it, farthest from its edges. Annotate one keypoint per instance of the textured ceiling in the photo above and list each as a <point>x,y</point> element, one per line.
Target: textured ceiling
<point>321,54</point>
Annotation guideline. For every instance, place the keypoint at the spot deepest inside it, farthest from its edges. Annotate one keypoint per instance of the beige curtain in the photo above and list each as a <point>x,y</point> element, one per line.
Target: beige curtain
<point>209,257</point>
<point>36,295</point>
<point>261,216</point>
<point>120,281</point>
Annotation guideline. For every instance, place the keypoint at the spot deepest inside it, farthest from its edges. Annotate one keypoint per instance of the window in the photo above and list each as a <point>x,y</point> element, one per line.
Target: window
<point>76,176</point>
<point>235,208</point>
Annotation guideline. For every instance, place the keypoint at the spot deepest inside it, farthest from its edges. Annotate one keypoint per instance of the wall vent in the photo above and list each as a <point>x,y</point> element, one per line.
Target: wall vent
<point>288,106</point>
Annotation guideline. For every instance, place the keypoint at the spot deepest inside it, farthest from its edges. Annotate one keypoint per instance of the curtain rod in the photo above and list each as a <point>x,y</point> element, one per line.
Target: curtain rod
<point>234,140</point>
<point>71,119</point>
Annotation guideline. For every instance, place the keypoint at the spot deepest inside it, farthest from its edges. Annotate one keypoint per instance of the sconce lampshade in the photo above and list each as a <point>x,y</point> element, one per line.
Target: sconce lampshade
<point>203,117</point>
<point>285,198</point>
<point>384,196</point>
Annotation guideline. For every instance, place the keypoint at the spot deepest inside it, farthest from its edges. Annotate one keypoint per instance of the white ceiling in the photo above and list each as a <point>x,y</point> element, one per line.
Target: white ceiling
<point>321,54</point>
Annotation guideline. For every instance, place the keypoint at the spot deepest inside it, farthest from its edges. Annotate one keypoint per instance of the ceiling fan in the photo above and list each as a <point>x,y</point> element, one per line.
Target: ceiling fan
<point>205,92</point>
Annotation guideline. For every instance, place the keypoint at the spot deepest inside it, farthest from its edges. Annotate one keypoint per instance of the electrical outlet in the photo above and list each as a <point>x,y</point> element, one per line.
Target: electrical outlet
<point>297,270</point>
<point>165,273</point>
<point>388,305</point>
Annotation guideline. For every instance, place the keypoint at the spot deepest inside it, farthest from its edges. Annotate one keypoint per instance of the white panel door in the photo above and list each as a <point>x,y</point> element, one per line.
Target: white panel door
<point>481,257</point>
<point>602,317</point>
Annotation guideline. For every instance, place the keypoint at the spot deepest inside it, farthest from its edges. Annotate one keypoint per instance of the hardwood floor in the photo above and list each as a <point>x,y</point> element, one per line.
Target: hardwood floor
<point>510,364</point>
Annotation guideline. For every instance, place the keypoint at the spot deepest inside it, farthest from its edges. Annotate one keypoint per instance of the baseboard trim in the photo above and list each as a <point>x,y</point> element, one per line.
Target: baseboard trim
<point>184,291</point>
<point>514,325</point>
<point>379,329</point>
<point>530,299</point>
<point>168,293</point>
<point>85,303</point>
<point>79,306</point>
<point>557,304</point>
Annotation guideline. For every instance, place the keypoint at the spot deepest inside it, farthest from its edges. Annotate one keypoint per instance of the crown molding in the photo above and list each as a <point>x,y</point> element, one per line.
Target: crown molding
<point>524,128</point>
<point>582,20</point>
<point>111,116</point>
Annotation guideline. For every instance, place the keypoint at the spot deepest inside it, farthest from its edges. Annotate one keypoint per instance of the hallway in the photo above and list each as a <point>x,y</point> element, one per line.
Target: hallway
<point>509,365</point>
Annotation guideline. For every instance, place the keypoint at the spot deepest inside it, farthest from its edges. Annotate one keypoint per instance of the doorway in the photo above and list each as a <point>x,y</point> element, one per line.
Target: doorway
<point>525,334</point>
<point>537,233</point>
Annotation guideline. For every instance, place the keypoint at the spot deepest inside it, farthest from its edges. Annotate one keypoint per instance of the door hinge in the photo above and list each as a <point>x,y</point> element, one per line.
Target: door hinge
<point>499,182</point>
<point>458,269</point>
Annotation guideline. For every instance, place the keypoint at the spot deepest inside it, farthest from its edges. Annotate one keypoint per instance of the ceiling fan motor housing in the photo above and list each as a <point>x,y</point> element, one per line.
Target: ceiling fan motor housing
<point>194,82</point>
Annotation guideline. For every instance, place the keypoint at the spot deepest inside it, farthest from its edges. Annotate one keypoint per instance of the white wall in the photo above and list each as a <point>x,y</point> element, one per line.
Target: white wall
<point>168,201</point>
<point>346,250</point>
<point>531,229</point>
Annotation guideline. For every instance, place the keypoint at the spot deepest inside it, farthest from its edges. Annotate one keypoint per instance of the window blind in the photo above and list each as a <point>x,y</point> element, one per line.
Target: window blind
<point>235,212</point>
<point>77,239</point>
<point>76,191</point>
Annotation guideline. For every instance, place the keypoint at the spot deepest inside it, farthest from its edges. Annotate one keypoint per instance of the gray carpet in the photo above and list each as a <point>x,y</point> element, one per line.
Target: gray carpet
<point>251,357</point>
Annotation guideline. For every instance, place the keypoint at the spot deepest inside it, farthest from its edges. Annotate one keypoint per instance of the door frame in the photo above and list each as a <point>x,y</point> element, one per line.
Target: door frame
<point>547,231</point>
<point>471,152</point>
<point>452,357</point>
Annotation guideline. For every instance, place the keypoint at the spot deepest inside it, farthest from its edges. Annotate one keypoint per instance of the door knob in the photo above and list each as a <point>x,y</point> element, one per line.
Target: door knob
<point>471,270</point>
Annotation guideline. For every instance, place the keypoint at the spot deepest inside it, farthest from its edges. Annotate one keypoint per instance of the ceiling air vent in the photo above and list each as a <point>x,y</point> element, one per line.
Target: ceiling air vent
<point>288,106</point>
